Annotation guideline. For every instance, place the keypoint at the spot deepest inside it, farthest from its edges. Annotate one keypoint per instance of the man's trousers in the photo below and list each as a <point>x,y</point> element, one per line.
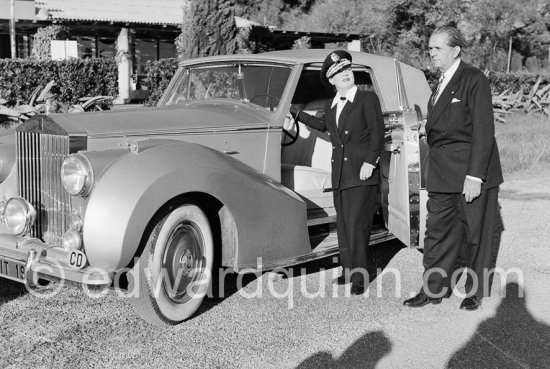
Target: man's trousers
<point>451,222</point>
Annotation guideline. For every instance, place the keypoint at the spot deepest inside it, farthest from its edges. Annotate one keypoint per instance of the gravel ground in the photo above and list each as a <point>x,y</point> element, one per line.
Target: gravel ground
<point>316,325</point>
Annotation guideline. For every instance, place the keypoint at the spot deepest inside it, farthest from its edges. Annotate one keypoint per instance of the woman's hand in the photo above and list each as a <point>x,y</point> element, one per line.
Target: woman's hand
<point>289,122</point>
<point>366,171</point>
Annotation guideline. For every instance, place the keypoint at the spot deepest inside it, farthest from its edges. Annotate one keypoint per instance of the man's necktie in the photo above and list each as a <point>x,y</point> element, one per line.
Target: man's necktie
<point>436,93</point>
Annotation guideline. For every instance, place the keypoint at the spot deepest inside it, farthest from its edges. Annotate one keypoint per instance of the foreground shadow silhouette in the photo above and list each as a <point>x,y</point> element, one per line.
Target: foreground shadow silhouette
<point>365,353</point>
<point>511,339</point>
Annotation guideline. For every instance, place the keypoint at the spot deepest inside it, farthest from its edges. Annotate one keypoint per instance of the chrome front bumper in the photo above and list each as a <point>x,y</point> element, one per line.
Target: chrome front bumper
<point>26,260</point>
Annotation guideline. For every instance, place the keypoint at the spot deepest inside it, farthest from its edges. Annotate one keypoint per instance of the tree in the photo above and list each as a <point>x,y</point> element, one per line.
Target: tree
<point>41,48</point>
<point>348,16</point>
<point>272,12</point>
<point>487,27</point>
<point>208,29</point>
<point>303,42</point>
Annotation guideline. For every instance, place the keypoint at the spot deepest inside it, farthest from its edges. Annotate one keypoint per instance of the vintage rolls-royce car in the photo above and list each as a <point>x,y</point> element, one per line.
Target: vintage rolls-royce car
<point>156,199</point>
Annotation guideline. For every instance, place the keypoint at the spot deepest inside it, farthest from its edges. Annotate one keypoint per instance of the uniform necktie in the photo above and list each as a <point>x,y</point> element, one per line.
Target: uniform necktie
<point>339,108</point>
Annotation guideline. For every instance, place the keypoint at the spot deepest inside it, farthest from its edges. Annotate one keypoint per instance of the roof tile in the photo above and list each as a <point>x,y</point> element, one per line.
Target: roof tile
<point>131,11</point>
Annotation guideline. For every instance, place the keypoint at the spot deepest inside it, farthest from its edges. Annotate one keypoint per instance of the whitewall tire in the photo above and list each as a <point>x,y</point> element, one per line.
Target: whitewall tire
<point>175,269</point>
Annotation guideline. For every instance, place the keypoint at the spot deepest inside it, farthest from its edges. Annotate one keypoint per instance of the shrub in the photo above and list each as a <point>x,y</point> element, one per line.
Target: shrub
<point>159,74</point>
<point>74,78</point>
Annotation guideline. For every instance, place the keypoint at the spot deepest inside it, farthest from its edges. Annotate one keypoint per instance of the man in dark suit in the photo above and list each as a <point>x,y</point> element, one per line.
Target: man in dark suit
<point>463,176</point>
<point>355,126</point>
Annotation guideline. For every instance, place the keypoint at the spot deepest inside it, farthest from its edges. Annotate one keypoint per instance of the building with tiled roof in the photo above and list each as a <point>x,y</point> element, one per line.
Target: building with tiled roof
<point>148,27</point>
<point>157,12</point>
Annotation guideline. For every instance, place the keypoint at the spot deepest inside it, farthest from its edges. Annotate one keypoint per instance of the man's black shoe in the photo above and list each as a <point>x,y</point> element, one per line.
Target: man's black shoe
<point>342,280</point>
<point>421,300</point>
<point>357,288</point>
<point>470,303</point>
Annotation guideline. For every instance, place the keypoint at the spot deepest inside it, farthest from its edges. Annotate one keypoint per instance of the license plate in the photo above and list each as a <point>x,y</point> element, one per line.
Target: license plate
<point>12,270</point>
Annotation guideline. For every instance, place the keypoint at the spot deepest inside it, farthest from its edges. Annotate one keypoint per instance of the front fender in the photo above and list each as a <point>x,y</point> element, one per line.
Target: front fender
<point>269,219</point>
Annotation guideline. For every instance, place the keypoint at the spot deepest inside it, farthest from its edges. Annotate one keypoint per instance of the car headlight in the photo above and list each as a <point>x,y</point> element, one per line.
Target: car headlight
<point>72,240</point>
<point>18,215</point>
<point>77,175</point>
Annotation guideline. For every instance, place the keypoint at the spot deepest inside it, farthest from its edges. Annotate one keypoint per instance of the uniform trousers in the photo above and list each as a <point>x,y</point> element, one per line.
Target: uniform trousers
<point>451,222</point>
<point>355,209</point>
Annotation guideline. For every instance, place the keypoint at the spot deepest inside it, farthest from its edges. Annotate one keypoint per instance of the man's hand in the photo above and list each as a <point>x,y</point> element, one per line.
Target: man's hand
<point>366,171</point>
<point>472,189</point>
<point>289,122</point>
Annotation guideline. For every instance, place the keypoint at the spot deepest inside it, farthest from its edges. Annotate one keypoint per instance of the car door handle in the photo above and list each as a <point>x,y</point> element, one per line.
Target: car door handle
<point>394,149</point>
<point>230,152</point>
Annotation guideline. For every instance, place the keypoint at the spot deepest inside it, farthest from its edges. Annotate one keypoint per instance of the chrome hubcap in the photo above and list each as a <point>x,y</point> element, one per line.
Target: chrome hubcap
<point>183,262</point>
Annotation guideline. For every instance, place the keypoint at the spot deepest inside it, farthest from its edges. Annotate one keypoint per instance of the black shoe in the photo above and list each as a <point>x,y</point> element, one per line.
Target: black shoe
<point>341,280</point>
<point>421,300</point>
<point>357,288</point>
<point>470,303</point>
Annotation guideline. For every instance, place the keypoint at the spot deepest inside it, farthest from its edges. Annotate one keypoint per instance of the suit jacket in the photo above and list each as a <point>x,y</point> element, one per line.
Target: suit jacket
<point>358,139</point>
<point>461,134</point>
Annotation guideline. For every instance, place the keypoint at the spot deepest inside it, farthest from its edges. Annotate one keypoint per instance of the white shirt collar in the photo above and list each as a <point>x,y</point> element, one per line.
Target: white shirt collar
<point>350,95</point>
<point>451,71</point>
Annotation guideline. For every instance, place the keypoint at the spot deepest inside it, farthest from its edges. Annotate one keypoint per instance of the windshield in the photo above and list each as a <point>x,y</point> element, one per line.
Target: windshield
<point>260,84</point>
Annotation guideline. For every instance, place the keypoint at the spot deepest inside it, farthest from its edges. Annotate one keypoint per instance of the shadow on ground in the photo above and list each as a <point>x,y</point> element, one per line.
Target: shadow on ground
<point>365,353</point>
<point>511,339</point>
<point>379,257</point>
<point>10,290</point>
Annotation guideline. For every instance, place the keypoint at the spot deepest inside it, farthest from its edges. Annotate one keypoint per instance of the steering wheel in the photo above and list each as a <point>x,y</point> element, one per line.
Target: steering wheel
<point>293,138</point>
<point>271,107</point>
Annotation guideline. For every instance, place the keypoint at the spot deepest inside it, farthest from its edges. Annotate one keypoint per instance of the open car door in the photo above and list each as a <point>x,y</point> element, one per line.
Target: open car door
<point>406,201</point>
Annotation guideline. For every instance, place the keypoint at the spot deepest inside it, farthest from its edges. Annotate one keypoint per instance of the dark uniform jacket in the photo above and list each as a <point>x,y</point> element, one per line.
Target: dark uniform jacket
<point>461,134</point>
<point>358,139</point>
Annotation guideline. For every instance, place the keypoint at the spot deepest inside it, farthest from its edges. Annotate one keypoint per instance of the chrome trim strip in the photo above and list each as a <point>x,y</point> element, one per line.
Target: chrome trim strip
<point>191,131</point>
<point>409,118</point>
<point>401,93</point>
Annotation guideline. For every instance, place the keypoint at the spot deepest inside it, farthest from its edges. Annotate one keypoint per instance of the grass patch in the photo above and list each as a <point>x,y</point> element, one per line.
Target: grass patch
<point>523,141</point>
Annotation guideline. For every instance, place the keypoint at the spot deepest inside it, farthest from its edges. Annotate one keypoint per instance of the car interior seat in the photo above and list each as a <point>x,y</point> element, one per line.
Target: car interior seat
<point>306,165</point>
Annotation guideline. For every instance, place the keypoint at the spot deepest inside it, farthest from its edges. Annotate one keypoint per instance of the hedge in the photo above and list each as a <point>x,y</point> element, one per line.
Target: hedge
<point>159,74</point>
<point>74,78</point>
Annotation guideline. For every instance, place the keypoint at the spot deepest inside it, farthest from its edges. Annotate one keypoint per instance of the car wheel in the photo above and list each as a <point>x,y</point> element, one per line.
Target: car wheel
<point>175,267</point>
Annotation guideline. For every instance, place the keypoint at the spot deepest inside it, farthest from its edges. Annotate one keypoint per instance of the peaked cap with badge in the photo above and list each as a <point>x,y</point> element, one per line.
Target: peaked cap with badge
<point>334,63</point>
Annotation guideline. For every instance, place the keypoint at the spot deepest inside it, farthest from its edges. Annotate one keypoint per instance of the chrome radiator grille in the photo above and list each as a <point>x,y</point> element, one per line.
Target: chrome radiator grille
<point>39,158</point>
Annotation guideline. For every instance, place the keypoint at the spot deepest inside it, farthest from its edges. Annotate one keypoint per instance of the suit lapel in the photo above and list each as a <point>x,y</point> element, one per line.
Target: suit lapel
<point>331,124</point>
<point>444,99</point>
